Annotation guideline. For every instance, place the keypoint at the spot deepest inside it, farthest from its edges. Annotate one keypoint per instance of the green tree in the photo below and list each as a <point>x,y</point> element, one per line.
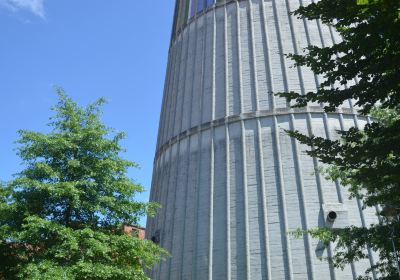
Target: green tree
<point>363,67</point>
<point>62,216</point>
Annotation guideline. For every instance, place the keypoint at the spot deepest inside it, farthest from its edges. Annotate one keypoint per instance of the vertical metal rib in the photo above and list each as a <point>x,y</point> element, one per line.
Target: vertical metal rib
<point>239,59</point>
<point>243,142</point>
<point>272,105</point>
<point>173,110</point>
<point>327,130</point>
<point>283,199</point>
<point>278,154</point>
<point>164,136</point>
<point>264,202</point>
<point>178,152</point>
<point>159,219</point>
<point>267,55</point>
<point>303,199</point>
<point>171,237</point>
<point>253,61</point>
<point>226,60</point>
<point>227,213</point>
<point>211,231</point>
<point>211,224</point>
<point>171,78</point>
<point>320,189</point>
<point>186,186</point>
<point>281,53</point>
<point>245,198</point>
<point>194,258</point>
<point>214,26</point>
<point>163,103</point>
<point>157,170</point>
<point>186,121</point>
<point>228,205</point>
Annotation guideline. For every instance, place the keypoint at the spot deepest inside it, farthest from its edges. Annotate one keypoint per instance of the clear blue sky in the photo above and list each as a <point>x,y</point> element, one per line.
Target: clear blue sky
<point>91,48</point>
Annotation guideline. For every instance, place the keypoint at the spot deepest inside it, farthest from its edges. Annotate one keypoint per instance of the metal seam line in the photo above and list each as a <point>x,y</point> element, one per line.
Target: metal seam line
<point>236,118</point>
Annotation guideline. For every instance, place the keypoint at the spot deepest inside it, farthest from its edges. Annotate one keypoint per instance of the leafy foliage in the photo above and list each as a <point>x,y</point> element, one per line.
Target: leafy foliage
<point>62,216</point>
<point>363,67</point>
<point>368,53</point>
<point>367,162</point>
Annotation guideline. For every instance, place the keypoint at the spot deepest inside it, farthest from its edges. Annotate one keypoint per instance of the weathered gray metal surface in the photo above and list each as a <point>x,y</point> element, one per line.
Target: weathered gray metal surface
<point>231,182</point>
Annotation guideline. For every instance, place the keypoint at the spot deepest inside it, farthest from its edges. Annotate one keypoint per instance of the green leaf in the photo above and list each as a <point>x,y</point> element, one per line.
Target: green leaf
<point>62,216</point>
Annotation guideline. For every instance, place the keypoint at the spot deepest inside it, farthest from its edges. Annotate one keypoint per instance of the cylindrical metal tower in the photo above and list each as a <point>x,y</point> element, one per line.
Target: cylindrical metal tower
<point>231,182</point>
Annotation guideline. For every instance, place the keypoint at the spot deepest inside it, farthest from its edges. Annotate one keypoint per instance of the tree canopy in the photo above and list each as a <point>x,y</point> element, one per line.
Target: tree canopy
<point>62,216</point>
<point>363,67</point>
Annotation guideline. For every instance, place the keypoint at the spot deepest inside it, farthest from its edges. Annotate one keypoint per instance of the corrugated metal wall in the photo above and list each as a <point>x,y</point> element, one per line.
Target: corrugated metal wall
<point>230,180</point>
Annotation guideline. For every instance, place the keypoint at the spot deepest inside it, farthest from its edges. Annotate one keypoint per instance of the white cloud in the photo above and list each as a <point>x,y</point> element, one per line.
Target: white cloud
<point>34,6</point>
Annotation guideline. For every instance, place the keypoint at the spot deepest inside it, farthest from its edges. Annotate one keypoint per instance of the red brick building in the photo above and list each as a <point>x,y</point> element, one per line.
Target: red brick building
<point>135,231</point>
